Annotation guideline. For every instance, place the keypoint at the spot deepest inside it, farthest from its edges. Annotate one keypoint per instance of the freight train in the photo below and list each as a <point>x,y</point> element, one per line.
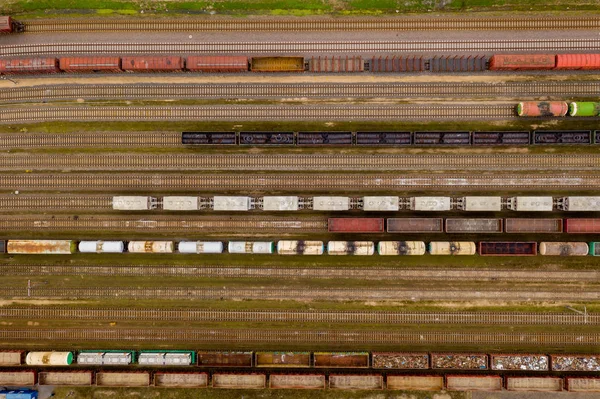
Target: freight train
<point>9,25</point>
<point>557,108</point>
<point>333,64</point>
<point>364,203</point>
<point>301,247</point>
<point>394,138</point>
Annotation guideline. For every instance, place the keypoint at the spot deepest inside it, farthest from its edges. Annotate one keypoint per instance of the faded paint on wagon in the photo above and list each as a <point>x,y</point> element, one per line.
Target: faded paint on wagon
<point>17,378</point>
<point>217,64</point>
<point>11,358</point>
<point>342,359</point>
<point>29,65</point>
<point>474,383</point>
<point>533,225</point>
<point>513,62</point>
<point>355,225</point>
<point>225,359</point>
<point>282,359</point>
<point>123,379</point>
<point>464,225</point>
<point>584,384</point>
<point>152,64</point>
<point>79,377</point>
<point>415,225</point>
<point>564,248</point>
<point>355,381</point>
<point>545,384</point>
<point>415,382</point>
<point>90,64</point>
<point>582,226</point>
<point>180,380</point>
<point>239,381</point>
<point>297,381</point>
<point>44,247</point>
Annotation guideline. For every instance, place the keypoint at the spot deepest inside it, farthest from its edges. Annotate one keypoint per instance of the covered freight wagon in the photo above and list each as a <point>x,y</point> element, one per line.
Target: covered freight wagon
<point>106,357</point>
<point>515,62</point>
<point>134,203</point>
<point>429,203</point>
<point>152,64</point>
<point>530,204</point>
<point>90,64</point>
<point>579,204</point>
<point>217,63</point>
<point>480,204</point>
<point>229,203</point>
<point>564,248</point>
<point>42,247</point>
<point>181,203</point>
<point>331,203</point>
<point>355,225</point>
<point>578,61</point>
<point>166,358</point>
<point>31,65</point>
<point>281,203</point>
<point>277,64</point>
<point>336,64</point>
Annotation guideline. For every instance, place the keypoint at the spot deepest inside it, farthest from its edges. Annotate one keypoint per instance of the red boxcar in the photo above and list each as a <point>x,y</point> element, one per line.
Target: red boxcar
<point>582,225</point>
<point>217,64</point>
<point>152,64</point>
<point>90,64</point>
<point>355,225</point>
<point>29,65</point>
<point>6,24</point>
<point>578,61</point>
<point>513,62</point>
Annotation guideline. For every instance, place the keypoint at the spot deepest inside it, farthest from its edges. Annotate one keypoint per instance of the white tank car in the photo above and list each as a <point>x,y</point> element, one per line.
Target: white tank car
<point>159,247</point>
<point>350,247</point>
<point>49,358</point>
<point>134,203</point>
<point>401,248</point>
<point>374,204</point>
<point>300,247</point>
<point>275,203</point>
<point>564,248</point>
<point>200,247</point>
<point>101,247</point>
<point>180,203</point>
<point>452,248</point>
<point>250,247</point>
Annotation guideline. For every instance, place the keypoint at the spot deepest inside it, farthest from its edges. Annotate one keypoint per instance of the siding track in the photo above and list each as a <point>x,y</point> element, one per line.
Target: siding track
<point>247,336</point>
<point>323,24</point>
<point>89,139</point>
<point>293,316</point>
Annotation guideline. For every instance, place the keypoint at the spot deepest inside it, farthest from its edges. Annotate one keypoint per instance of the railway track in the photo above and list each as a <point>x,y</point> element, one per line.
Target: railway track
<point>253,336</point>
<point>191,223</point>
<point>55,202</point>
<point>342,272</point>
<point>322,24</point>
<point>522,90</point>
<point>303,316</point>
<point>294,161</point>
<point>89,139</point>
<point>259,112</point>
<point>304,294</point>
<point>163,182</point>
<point>303,47</point>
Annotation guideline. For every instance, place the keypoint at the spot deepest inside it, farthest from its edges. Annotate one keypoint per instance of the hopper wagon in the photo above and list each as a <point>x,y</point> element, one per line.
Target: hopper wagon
<point>106,357</point>
<point>166,358</point>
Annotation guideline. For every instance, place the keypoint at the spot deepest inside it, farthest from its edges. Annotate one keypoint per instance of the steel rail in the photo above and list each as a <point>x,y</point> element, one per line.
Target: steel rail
<point>89,139</point>
<point>521,90</point>
<point>317,272</point>
<point>314,183</point>
<point>249,336</point>
<point>321,24</point>
<point>304,47</point>
<point>294,162</point>
<point>155,223</point>
<point>295,316</point>
<point>301,294</point>
<point>259,112</point>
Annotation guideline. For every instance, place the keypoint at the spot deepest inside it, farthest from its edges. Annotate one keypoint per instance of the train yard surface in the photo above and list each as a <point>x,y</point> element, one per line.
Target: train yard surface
<point>192,229</point>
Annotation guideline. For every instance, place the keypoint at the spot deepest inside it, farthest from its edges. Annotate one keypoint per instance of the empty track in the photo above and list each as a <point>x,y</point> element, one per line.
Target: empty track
<point>321,24</point>
<point>521,90</point>
<point>342,272</point>
<point>10,203</point>
<point>310,294</point>
<point>89,139</point>
<point>251,336</point>
<point>137,182</point>
<point>293,162</point>
<point>259,112</point>
<point>191,223</point>
<point>303,316</point>
<point>303,47</point>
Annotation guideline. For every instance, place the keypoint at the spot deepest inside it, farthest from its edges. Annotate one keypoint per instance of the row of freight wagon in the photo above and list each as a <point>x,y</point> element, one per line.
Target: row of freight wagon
<point>365,203</point>
<point>318,64</point>
<point>389,138</point>
<point>273,380</point>
<point>329,360</point>
<point>302,247</point>
<point>557,108</point>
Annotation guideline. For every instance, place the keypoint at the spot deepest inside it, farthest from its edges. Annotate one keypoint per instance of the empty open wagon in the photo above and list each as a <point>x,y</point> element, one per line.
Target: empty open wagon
<point>355,381</point>
<point>297,381</point>
<point>282,359</point>
<point>415,382</point>
<point>239,381</point>
<point>342,359</point>
<point>67,378</point>
<point>180,380</point>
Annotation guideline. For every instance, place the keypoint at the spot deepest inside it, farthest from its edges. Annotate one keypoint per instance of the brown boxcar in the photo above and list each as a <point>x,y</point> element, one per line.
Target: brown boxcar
<point>225,359</point>
<point>474,383</point>
<point>578,61</point>
<point>11,358</point>
<point>355,225</point>
<point>508,248</point>
<point>123,379</point>
<point>583,384</point>
<point>79,377</point>
<point>513,225</point>
<point>282,359</point>
<point>459,361</point>
<point>277,64</point>
<point>336,64</point>
<point>464,225</point>
<point>17,378</point>
<point>400,361</point>
<point>542,108</point>
<point>582,226</point>
<point>415,225</point>
<point>348,381</point>
<point>29,65</point>
<point>90,64</point>
<point>342,359</point>
<point>415,382</point>
<point>6,24</point>
<point>398,64</point>
<point>514,62</point>
<point>297,381</point>
<point>180,380</point>
<point>152,64</point>
<point>217,64</point>
<point>577,362</point>
<point>546,384</point>
<point>239,381</point>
